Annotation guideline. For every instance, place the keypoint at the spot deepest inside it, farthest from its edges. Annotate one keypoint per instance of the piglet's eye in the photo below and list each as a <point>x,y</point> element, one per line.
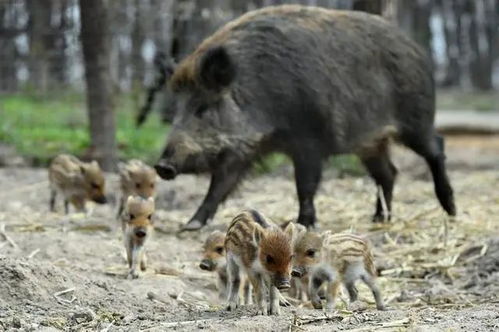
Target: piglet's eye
<point>310,253</point>
<point>270,259</point>
<point>94,185</point>
<point>132,216</point>
<point>149,217</point>
<point>137,185</point>
<point>219,250</point>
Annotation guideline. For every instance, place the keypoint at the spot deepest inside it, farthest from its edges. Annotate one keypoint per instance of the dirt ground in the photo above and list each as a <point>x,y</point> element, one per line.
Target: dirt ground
<point>62,272</point>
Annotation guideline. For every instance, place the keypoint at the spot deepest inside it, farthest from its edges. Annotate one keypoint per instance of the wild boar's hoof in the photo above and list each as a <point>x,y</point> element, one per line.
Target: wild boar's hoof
<point>192,225</point>
<point>165,171</point>
<point>379,218</point>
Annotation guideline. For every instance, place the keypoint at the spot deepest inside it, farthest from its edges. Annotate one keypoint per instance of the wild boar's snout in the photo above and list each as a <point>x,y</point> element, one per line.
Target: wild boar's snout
<point>165,170</point>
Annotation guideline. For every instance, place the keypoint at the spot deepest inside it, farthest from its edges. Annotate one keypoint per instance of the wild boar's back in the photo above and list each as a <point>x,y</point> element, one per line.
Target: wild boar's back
<point>337,78</point>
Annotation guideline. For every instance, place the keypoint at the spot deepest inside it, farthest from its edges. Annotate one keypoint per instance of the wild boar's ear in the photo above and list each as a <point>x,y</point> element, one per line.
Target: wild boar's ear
<point>216,69</point>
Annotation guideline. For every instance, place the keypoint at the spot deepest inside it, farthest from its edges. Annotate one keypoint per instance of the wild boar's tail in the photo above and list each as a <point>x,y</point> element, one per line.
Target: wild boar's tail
<point>163,71</point>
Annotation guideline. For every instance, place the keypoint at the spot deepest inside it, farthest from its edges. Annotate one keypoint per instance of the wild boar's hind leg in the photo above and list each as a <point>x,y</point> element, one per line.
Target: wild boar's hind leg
<point>383,172</point>
<point>223,181</point>
<point>433,151</point>
<point>308,171</point>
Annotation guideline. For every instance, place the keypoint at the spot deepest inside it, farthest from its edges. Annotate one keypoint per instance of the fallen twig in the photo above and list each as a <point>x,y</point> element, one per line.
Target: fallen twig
<point>7,238</point>
<point>33,253</point>
<point>107,328</point>
<point>304,320</point>
<point>395,323</point>
<point>64,301</point>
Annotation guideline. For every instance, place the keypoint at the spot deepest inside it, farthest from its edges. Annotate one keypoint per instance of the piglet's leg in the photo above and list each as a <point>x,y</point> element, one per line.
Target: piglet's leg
<point>234,281</point>
<point>136,253</point>
<point>53,195</point>
<point>314,286</point>
<point>248,294</point>
<point>275,296</point>
<point>332,292</point>
<point>143,261</point>
<point>259,288</point>
<point>371,283</point>
<point>352,291</point>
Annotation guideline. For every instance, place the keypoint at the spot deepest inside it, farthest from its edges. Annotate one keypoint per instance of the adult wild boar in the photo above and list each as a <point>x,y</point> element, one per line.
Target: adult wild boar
<point>309,82</point>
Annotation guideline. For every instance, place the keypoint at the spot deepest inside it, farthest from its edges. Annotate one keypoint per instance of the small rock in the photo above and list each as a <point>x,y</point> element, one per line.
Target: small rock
<point>16,322</point>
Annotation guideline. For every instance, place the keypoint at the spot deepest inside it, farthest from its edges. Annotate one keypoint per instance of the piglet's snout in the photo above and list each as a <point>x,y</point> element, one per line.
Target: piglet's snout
<point>282,283</point>
<point>297,273</point>
<point>206,265</point>
<point>140,233</point>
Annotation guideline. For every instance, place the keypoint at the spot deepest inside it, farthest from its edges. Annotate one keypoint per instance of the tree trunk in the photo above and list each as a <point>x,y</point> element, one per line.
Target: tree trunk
<point>96,56</point>
<point>58,59</point>
<point>39,35</point>
<point>480,62</point>
<point>8,50</point>
<point>451,16</point>
<point>138,37</point>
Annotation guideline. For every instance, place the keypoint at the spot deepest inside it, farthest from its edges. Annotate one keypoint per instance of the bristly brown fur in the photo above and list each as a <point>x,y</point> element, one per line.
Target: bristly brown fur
<point>186,74</point>
<point>278,245</point>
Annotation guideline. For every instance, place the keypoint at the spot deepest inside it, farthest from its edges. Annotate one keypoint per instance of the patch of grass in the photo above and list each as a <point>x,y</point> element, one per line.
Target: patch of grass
<point>348,164</point>
<point>42,127</point>
<point>467,100</point>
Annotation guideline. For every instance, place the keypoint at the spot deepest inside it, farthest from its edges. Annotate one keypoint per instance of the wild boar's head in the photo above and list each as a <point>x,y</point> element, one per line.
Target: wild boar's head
<point>209,123</point>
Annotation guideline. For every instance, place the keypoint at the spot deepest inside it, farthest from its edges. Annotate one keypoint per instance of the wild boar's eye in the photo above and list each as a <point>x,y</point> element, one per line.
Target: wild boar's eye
<point>200,110</point>
<point>310,253</point>
<point>137,185</point>
<point>270,259</point>
<point>149,217</point>
<point>219,250</point>
<point>94,185</point>
<point>132,216</point>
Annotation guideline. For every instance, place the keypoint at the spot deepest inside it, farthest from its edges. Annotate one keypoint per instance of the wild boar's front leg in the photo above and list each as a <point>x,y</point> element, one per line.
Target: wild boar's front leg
<point>308,170</point>
<point>223,181</point>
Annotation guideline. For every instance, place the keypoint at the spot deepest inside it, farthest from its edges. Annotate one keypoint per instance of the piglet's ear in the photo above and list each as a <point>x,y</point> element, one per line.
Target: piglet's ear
<point>325,235</point>
<point>258,235</point>
<point>290,230</point>
<point>216,69</point>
